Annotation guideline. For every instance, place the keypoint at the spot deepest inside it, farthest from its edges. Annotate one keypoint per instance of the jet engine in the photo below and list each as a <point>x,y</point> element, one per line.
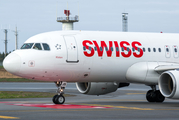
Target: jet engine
<point>98,88</point>
<point>169,84</point>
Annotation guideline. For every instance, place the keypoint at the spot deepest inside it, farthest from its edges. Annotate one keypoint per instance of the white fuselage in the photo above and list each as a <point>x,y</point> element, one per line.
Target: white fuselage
<point>68,60</point>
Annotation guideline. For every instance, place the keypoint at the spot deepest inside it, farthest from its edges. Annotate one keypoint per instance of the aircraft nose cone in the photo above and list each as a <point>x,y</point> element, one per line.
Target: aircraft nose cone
<point>12,63</point>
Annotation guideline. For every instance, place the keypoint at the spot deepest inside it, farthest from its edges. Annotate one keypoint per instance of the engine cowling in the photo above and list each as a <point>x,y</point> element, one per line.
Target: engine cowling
<point>169,84</point>
<point>97,88</point>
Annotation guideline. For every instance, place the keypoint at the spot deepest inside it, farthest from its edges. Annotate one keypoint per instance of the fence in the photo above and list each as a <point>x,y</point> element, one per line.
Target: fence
<point>68,18</point>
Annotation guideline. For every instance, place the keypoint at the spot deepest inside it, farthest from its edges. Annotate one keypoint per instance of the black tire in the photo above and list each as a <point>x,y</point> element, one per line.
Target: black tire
<point>159,96</point>
<point>60,99</point>
<point>150,96</point>
<point>54,99</point>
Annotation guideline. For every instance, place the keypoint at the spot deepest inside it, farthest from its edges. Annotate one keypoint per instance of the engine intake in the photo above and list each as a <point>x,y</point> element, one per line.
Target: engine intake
<point>96,88</point>
<point>99,88</point>
<point>169,84</point>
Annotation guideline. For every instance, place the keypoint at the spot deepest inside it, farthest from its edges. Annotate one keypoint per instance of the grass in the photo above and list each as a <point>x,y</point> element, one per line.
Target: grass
<point>22,94</point>
<point>6,74</point>
<point>17,80</point>
<point>13,79</point>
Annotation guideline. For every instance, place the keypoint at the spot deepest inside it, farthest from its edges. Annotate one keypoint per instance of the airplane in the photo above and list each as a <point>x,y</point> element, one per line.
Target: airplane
<point>100,62</point>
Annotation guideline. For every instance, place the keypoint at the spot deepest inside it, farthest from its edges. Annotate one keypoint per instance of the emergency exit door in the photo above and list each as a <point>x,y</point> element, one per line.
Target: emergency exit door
<point>72,51</point>
<point>167,51</point>
<point>175,51</point>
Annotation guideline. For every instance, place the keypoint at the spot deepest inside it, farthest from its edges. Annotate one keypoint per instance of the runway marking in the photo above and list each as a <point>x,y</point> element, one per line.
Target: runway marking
<point>4,102</point>
<point>74,110</point>
<point>81,106</point>
<point>116,100</point>
<point>66,110</point>
<point>124,107</point>
<point>135,93</point>
<point>64,106</point>
<point>8,117</point>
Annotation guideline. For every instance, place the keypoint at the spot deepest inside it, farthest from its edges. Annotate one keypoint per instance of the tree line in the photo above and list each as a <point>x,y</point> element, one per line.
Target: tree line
<point>2,56</point>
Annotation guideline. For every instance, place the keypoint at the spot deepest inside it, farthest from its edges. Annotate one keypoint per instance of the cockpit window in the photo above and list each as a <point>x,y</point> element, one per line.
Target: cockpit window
<point>46,46</point>
<point>37,46</point>
<point>27,46</point>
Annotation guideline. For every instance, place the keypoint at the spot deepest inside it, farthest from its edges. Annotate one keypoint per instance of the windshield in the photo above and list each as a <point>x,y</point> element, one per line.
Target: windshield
<point>37,46</point>
<point>46,46</point>
<point>27,46</point>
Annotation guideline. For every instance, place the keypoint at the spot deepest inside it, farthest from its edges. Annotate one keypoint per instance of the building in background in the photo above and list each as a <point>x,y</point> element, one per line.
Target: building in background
<point>124,22</point>
<point>67,22</point>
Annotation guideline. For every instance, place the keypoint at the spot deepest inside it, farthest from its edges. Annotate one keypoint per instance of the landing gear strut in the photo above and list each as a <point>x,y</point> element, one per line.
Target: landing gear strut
<point>59,98</point>
<point>154,95</point>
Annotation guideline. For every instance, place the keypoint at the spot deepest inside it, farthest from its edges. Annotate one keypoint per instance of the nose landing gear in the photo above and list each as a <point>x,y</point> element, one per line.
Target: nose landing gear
<point>59,98</point>
<point>154,95</point>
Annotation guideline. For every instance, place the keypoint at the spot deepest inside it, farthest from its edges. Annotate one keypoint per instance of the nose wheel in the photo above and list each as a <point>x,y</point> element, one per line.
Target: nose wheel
<point>59,98</point>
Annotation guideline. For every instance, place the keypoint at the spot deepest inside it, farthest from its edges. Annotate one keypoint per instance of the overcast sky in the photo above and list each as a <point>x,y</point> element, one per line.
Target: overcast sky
<point>37,16</point>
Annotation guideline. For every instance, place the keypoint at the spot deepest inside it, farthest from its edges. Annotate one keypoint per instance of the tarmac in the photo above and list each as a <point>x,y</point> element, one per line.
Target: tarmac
<point>124,104</point>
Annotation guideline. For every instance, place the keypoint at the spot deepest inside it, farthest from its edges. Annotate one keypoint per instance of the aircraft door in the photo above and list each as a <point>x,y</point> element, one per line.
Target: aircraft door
<point>167,51</point>
<point>72,51</point>
<point>175,51</point>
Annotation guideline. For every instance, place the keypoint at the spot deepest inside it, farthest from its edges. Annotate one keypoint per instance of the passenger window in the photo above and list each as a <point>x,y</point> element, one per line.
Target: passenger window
<point>133,49</point>
<point>37,46</point>
<point>111,48</point>
<point>89,48</point>
<point>128,49</point>
<point>84,48</point>
<point>27,46</point>
<point>138,49</point>
<point>46,46</point>
<point>149,49</point>
<point>101,49</point>
<point>122,49</point>
<point>143,49</point>
<point>167,49</point>
<point>117,49</point>
<point>106,48</point>
<point>154,49</point>
<point>95,48</point>
<point>175,50</point>
<point>159,49</point>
